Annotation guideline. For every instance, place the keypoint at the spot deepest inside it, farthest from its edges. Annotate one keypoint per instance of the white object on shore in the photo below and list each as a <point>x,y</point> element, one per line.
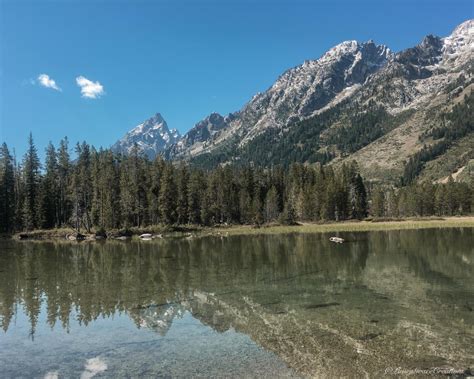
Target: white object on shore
<point>336,239</point>
<point>146,236</point>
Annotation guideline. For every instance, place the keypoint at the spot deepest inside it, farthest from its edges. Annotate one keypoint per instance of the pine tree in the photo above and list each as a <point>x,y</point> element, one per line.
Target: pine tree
<point>64,178</point>
<point>194,197</point>
<point>257,210</point>
<point>31,179</point>
<point>127,198</point>
<point>19,194</point>
<point>271,205</point>
<point>377,208</point>
<point>319,193</point>
<point>227,195</point>
<point>167,197</point>
<point>328,208</point>
<point>182,195</point>
<point>464,198</point>
<point>137,171</point>
<point>7,190</point>
<point>358,197</point>
<point>257,200</point>
<point>288,216</point>
<point>49,189</point>
<point>82,188</point>
<point>212,204</point>
<point>245,206</point>
<point>391,200</point>
<point>410,201</point>
<point>109,182</point>
<point>247,188</point>
<point>156,172</point>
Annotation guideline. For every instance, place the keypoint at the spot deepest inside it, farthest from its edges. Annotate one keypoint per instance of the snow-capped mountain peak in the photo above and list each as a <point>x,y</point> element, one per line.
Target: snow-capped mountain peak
<point>356,49</point>
<point>151,137</point>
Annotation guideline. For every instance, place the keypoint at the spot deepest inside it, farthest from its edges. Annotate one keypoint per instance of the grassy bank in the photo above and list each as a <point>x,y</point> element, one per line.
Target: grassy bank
<point>197,231</point>
<point>359,226</point>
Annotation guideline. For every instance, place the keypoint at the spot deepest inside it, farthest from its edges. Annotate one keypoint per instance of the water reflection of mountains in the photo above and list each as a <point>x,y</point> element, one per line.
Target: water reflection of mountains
<point>155,282</point>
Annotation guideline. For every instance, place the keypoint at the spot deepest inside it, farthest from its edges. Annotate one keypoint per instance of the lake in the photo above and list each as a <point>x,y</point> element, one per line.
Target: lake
<point>290,305</point>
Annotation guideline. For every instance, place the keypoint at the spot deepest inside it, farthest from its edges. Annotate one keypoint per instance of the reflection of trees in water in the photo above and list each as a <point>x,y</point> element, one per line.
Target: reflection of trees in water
<point>444,256</point>
<point>101,279</point>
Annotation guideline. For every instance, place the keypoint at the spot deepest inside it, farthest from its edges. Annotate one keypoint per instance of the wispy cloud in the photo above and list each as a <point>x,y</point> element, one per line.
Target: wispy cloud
<point>45,81</point>
<point>90,89</point>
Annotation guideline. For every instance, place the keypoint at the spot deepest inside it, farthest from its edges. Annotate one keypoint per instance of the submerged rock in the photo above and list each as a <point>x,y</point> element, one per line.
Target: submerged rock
<point>122,238</point>
<point>316,306</point>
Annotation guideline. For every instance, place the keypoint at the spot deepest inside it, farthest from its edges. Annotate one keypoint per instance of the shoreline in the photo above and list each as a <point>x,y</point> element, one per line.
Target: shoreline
<point>359,226</point>
<point>191,231</point>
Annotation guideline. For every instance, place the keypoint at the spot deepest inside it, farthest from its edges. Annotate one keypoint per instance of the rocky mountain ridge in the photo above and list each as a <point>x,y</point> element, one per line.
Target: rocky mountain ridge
<point>357,101</point>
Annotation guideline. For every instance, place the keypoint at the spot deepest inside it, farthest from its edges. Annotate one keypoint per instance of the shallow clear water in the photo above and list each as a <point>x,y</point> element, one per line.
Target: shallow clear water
<point>281,305</point>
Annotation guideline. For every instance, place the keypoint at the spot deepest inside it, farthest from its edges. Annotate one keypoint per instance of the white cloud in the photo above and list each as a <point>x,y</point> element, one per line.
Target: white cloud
<point>93,367</point>
<point>51,375</point>
<point>45,81</point>
<point>90,89</point>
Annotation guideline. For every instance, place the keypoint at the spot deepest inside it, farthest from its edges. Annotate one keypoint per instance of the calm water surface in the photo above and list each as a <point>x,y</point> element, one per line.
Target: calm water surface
<point>283,305</point>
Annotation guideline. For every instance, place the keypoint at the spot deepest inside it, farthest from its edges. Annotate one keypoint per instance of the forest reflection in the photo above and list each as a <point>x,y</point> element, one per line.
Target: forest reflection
<point>154,282</point>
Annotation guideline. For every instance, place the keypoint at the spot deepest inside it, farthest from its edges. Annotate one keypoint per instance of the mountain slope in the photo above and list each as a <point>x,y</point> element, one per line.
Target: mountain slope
<point>298,93</point>
<point>358,101</point>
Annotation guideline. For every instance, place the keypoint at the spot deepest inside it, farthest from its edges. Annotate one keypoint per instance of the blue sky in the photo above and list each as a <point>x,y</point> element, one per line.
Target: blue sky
<point>184,59</point>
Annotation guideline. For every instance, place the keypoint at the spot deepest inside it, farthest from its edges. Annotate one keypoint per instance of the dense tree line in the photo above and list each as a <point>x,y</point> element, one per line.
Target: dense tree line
<point>99,189</point>
<point>103,190</point>
<point>423,199</point>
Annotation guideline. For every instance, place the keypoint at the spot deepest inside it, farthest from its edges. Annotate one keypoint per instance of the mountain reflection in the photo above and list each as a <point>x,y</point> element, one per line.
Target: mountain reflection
<point>272,288</point>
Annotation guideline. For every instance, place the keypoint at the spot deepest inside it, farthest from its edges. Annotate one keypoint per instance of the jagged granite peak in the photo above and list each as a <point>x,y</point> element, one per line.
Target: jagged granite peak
<point>433,53</point>
<point>202,131</point>
<point>416,75</point>
<point>427,53</point>
<point>205,128</point>
<point>151,137</point>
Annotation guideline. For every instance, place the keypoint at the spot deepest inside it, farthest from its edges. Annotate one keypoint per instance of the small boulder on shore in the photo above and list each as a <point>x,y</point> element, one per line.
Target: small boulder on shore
<point>75,237</point>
